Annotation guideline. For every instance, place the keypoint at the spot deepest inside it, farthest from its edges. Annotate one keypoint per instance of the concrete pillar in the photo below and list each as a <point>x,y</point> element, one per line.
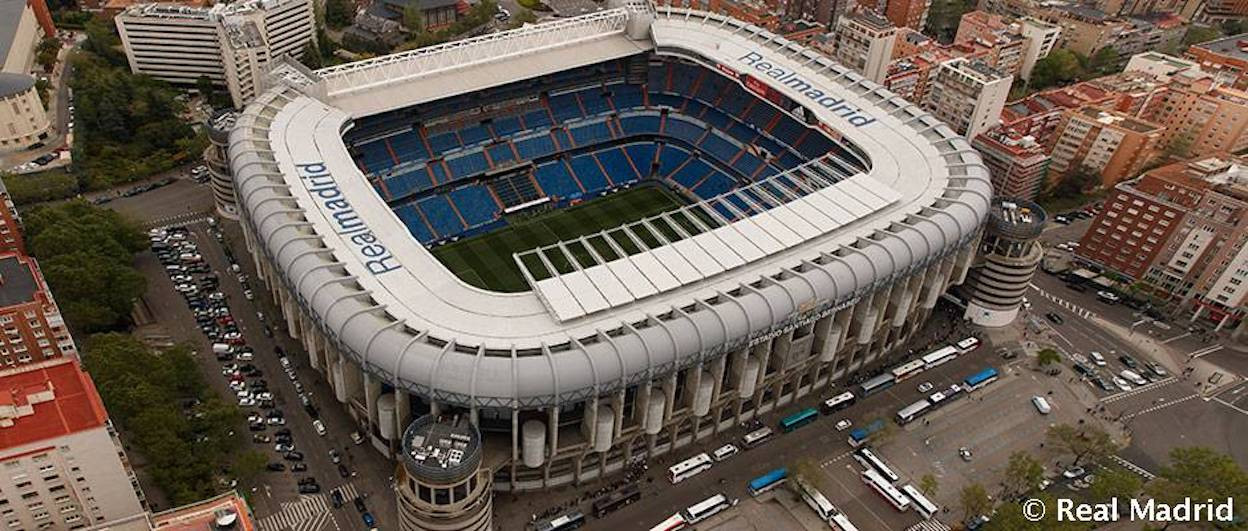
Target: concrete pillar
<point>372,391</point>
<point>589,422</point>
<point>717,371</point>
<point>552,425</point>
<point>617,403</point>
<point>402,416</point>
<point>291,313</point>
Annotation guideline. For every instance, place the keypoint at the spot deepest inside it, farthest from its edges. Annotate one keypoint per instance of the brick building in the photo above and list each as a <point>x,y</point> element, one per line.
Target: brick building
<point>1114,145</point>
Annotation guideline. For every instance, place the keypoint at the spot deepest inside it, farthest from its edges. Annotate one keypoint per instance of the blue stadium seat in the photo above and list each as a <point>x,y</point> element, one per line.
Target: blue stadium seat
<point>535,146</point>
<point>787,130</point>
<point>408,147</point>
<point>467,165</point>
<point>741,132</point>
<point>626,97</point>
<point>374,157</point>
<point>761,114</point>
<point>667,100</point>
<point>714,185</point>
<point>555,180</point>
<point>694,108</point>
<point>594,102</point>
<point>789,161</point>
<point>565,108</point>
<point>747,164</point>
<point>441,216</point>
<point>670,158</point>
<point>656,78</point>
<point>690,174</point>
<point>719,148</point>
<point>741,205</point>
<point>683,129</point>
<point>816,145</point>
<point>506,126</point>
<point>501,154</point>
<point>439,173</point>
<point>642,155</point>
<point>617,165</point>
<point>536,119</point>
<point>409,182</point>
<point>640,125</point>
<point>414,223</point>
<point>588,172</point>
<point>717,119</point>
<point>710,88</point>
<point>443,142</point>
<point>473,135</point>
<point>590,134</point>
<point>475,203</point>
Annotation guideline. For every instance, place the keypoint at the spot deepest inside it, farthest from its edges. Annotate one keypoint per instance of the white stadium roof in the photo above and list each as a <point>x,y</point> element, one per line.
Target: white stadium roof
<point>388,303</point>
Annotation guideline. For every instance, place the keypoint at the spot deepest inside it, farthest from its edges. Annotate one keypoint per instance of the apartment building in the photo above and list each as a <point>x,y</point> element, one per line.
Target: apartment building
<point>33,329</point>
<point>1083,29</point>
<point>1226,59</point>
<point>20,33</point>
<point>1040,37</point>
<point>1039,114</point>
<point>1180,229</point>
<point>826,12</point>
<point>1018,164</point>
<point>864,42</point>
<point>968,95</point>
<point>1114,145</point>
<point>10,224</point>
<point>911,76</point>
<point>1200,117</point>
<point>908,13</point>
<point>230,44</point>
<point>1159,65</point>
<point>61,465</point>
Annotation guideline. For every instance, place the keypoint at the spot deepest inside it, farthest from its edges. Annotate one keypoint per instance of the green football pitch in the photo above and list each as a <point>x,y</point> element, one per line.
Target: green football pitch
<point>486,260</point>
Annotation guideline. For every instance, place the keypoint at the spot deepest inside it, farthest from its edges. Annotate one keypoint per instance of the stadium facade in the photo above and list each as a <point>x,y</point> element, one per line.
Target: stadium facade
<point>825,218</point>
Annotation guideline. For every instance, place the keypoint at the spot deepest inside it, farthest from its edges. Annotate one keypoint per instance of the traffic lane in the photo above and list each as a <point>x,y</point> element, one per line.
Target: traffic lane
<point>818,441</point>
<point>1194,422</point>
<point>1084,336</point>
<point>865,508</point>
<point>181,197</point>
<point>371,471</point>
<point>315,449</point>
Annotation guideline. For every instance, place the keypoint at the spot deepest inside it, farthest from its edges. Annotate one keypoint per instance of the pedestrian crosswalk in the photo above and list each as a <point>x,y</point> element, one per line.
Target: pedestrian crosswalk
<point>1133,467</point>
<point>308,513</point>
<point>929,525</point>
<point>1139,390</point>
<point>1160,406</point>
<point>179,219</point>
<point>1074,308</point>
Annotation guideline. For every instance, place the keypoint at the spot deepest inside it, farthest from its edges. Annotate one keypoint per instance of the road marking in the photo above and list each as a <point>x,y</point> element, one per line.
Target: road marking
<point>308,513</point>
<point>188,218</point>
<point>1133,467</point>
<point>1181,336</point>
<point>1230,405</point>
<point>1072,307</point>
<point>1158,407</point>
<point>1138,390</point>
<point>1203,352</point>
<point>835,459</point>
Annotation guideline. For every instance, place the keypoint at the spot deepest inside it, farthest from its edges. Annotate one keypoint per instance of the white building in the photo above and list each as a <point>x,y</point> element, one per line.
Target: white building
<point>864,42</point>
<point>231,44</point>
<point>968,95</point>
<point>22,119</point>
<point>63,468</point>
<point>1160,65</point>
<point>1041,37</point>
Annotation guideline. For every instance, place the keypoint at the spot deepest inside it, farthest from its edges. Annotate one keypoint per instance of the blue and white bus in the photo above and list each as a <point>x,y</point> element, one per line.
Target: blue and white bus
<point>799,419</point>
<point>890,493</point>
<point>767,481</point>
<point>922,505</point>
<point>859,436</point>
<point>873,462</point>
<point>877,384</point>
<point>979,379</point>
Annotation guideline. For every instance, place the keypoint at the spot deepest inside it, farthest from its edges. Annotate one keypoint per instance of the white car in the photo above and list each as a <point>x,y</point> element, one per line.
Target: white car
<point>277,421</point>
<point>1072,473</point>
<point>246,402</point>
<point>843,424</point>
<point>1122,384</point>
<point>246,356</point>
<point>925,387</point>
<point>319,426</point>
<point>283,447</point>
<point>1098,359</point>
<point>249,295</point>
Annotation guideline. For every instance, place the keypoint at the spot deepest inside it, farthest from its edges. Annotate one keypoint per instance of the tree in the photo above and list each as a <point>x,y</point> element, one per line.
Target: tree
<point>1009,517</point>
<point>1083,442</point>
<point>102,41</point>
<point>311,58</point>
<point>1023,474</point>
<point>1074,183</point>
<point>1061,66</point>
<point>1103,62</point>
<point>1048,356</point>
<point>414,18</point>
<point>46,52</point>
<point>928,485</point>
<point>524,16</point>
<point>1198,34</point>
<point>38,187</point>
<point>1114,483</point>
<point>1234,26</point>
<point>1200,473</point>
<point>248,465</point>
<point>338,13</point>
<point>975,501</point>
<point>943,17</point>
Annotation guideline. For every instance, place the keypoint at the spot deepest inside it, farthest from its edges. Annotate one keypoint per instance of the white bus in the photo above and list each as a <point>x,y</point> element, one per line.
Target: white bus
<point>673,523</point>
<point>758,437</point>
<point>922,505</point>
<point>913,411</point>
<point>838,402</point>
<point>967,345</point>
<point>906,370</point>
<point>706,508</point>
<point>816,500</point>
<point>890,493</point>
<point>873,462</point>
<point>688,468</point>
<point>841,522</point>
<point>939,357</point>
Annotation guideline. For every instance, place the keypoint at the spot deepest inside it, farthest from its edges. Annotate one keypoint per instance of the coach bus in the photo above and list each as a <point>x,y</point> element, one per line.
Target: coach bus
<point>859,436</point>
<point>838,402</point>
<point>913,411</point>
<point>877,384</point>
<point>672,523</point>
<point>890,493</point>
<point>841,522</point>
<point>767,481</point>
<point>979,379</point>
<point>688,468</point>
<point>758,437</point>
<point>706,508</point>
<point>562,522</point>
<point>967,345</point>
<point>873,462</point>
<point>815,500</point>
<point>799,419</point>
<point>939,357</point>
<point>907,370</point>
<point>624,496</point>
<point>922,505</point>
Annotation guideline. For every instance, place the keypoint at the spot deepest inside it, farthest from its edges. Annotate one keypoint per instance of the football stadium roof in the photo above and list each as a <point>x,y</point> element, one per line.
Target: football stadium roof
<point>391,306</point>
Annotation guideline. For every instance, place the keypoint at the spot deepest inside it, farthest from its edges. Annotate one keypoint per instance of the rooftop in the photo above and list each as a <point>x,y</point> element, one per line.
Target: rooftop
<point>1118,120</point>
<point>10,17</point>
<point>11,84</point>
<point>47,400</point>
<point>1235,46</point>
<point>18,283</point>
<point>206,515</point>
<point>441,449</point>
<point>871,19</point>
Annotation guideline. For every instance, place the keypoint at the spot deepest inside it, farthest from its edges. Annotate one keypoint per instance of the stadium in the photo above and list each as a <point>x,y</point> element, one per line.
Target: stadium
<point>600,238</point>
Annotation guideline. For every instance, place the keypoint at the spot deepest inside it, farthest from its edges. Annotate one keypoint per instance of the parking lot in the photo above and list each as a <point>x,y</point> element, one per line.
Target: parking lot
<point>313,473</point>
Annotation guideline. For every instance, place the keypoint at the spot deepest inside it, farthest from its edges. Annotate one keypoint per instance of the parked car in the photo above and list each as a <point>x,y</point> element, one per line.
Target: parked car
<point>298,467</point>
<point>1122,384</point>
<point>276,467</point>
<point>342,471</point>
<point>725,451</point>
<point>369,521</point>
<point>1098,359</point>
<point>1053,317</point>
<point>1129,361</point>
<point>335,498</point>
<point>925,387</point>
<point>965,454</point>
<point>293,456</point>
<point>359,504</point>
<point>1072,473</point>
<point>1157,369</point>
<point>319,427</point>
<point>334,456</point>
<point>309,489</point>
